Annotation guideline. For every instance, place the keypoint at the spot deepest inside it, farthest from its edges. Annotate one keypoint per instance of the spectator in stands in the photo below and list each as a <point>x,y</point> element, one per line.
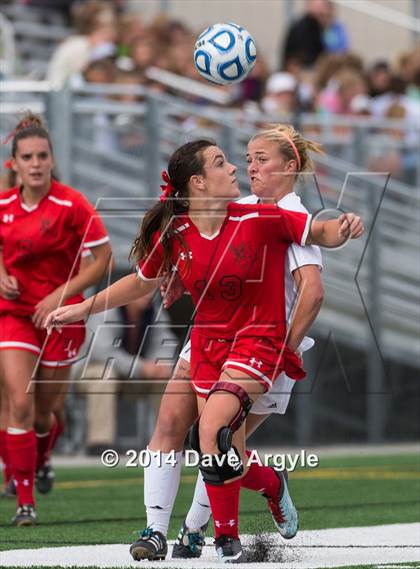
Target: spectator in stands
<point>96,22</point>
<point>330,64</point>
<point>395,148</point>
<point>280,97</point>
<point>142,51</point>
<point>130,27</point>
<point>181,58</point>
<point>409,70</point>
<point>100,71</point>
<point>397,94</point>
<point>379,78</point>
<point>169,32</point>
<point>337,97</point>
<point>334,35</point>
<point>304,40</point>
<point>97,128</point>
<point>253,86</point>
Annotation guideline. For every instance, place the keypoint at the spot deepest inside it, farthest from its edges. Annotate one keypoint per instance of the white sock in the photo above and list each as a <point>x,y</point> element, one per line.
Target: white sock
<point>161,483</point>
<point>199,512</point>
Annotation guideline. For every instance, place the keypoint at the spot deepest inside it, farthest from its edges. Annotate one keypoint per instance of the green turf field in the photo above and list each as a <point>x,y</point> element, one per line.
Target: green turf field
<point>93,505</point>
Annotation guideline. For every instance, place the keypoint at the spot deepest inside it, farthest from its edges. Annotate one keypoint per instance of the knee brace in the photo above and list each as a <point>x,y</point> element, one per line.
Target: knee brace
<point>219,468</point>
<point>224,436</point>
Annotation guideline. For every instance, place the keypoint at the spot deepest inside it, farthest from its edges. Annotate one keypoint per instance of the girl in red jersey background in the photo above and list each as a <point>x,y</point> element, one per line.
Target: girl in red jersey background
<point>44,228</point>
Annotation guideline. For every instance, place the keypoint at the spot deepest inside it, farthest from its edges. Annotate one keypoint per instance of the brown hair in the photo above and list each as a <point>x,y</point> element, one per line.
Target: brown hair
<point>93,14</point>
<point>29,126</point>
<point>292,145</point>
<point>185,162</point>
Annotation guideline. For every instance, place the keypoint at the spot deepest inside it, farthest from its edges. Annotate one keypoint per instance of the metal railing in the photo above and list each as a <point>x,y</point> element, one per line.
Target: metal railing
<point>7,47</point>
<point>36,33</point>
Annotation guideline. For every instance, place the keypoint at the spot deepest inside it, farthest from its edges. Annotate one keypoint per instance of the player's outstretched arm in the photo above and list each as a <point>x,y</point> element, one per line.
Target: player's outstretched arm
<point>122,292</point>
<point>335,232</point>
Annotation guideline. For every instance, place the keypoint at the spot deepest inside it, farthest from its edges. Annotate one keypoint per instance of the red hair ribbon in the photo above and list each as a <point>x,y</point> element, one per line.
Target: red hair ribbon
<point>9,136</point>
<point>167,188</point>
<point>7,164</point>
<point>25,124</point>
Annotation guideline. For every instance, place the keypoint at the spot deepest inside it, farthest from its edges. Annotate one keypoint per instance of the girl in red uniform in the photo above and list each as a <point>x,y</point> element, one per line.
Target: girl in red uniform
<point>222,252</point>
<point>44,228</point>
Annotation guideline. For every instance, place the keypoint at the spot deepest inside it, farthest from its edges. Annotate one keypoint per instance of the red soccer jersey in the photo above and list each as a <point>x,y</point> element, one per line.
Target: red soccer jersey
<point>236,276</point>
<point>41,245</point>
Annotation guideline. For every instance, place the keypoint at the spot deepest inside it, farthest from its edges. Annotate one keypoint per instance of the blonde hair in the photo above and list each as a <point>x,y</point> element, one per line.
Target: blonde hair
<point>291,144</point>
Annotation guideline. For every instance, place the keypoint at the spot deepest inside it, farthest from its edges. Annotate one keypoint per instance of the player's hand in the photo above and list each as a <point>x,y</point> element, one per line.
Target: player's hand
<point>9,287</point>
<point>45,306</point>
<point>351,226</point>
<point>65,315</point>
<point>171,290</point>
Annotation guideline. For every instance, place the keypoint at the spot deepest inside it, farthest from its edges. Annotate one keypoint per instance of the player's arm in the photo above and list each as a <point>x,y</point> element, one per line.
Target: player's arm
<point>89,274</point>
<point>308,303</point>
<point>122,292</point>
<point>335,232</point>
<point>299,228</point>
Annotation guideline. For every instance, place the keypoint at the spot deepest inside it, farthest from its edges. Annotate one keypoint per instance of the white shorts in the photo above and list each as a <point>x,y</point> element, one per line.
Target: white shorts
<point>277,399</point>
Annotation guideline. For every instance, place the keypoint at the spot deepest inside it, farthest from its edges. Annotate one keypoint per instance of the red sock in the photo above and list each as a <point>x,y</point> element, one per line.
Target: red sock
<point>261,479</point>
<point>224,502</point>
<point>45,443</point>
<point>4,456</point>
<point>22,455</point>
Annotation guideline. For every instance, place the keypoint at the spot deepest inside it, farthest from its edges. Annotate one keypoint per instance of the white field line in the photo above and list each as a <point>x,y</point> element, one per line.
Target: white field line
<point>309,550</point>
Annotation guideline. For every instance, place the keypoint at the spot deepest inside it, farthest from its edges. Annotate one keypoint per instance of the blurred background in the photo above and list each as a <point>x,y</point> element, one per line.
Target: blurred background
<point>117,84</point>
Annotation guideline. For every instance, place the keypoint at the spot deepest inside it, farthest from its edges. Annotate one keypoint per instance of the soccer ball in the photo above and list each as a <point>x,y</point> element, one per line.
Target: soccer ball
<point>225,54</point>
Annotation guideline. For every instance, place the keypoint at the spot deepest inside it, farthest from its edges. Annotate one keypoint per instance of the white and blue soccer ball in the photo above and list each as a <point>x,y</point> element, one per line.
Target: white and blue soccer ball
<point>225,53</point>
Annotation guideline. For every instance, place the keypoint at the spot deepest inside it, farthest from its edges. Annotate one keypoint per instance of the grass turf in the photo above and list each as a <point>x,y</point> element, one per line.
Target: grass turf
<point>93,505</point>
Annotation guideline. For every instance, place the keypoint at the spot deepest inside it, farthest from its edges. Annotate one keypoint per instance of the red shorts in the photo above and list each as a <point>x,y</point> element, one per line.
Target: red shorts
<point>259,358</point>
<point>58,350</point>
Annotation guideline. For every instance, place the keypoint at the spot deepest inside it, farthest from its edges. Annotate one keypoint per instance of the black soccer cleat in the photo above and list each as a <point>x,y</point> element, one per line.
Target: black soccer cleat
<point>150,545</point>
<point>229,550</point>
<point>25,516</point>
<point>44,480</point>
<point>189,543</point>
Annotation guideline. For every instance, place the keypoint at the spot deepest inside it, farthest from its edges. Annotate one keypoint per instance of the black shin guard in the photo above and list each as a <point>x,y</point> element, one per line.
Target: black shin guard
<point>217,469</point>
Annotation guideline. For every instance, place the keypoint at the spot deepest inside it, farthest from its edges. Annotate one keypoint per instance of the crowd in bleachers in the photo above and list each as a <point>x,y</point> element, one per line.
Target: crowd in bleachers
<point>318,71</point>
